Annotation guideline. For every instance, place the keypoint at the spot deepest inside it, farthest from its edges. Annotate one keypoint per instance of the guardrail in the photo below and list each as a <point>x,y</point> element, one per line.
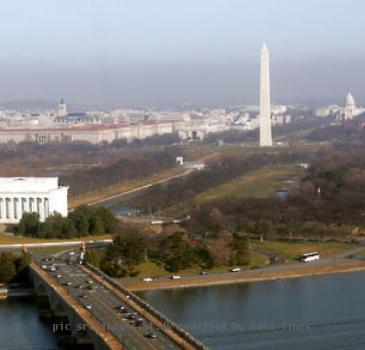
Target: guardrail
<point>167,322</point>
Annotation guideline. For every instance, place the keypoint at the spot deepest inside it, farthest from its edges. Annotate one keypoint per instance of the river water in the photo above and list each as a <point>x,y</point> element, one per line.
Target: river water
<point>321,312</point>
<point>21,328</point>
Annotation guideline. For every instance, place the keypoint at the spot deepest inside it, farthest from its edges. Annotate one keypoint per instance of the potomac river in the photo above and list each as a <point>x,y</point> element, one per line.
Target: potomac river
<point>319,312</point>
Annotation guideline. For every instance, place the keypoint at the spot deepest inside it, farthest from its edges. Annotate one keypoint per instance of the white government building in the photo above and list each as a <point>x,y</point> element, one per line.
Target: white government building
<point>42,195</point>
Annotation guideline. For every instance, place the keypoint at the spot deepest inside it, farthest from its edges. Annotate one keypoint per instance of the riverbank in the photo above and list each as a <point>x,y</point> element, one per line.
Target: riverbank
<point>270,273</point>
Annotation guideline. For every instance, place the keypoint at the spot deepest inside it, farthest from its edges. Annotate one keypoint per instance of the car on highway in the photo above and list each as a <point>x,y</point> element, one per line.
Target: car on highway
<point>147,279</point>
<point>138,322</point>
<point>236,269</point>
<point>151,335</point>
<point>175,277</point>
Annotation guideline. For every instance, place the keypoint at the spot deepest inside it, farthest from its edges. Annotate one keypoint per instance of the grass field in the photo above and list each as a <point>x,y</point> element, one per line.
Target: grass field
<point>258,183</point>
<point>11,239</point>
<point>292,250</point>
<point>149,268</point>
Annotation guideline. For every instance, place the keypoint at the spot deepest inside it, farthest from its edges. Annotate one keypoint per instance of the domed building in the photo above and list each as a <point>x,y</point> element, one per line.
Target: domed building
<point>350,110</point>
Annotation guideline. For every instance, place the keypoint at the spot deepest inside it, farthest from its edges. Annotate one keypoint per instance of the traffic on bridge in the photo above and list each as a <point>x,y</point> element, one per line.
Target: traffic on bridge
<point>115,311</point>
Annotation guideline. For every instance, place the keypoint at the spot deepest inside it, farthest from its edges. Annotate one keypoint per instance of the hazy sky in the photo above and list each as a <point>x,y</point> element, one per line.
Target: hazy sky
<point>160,52</point>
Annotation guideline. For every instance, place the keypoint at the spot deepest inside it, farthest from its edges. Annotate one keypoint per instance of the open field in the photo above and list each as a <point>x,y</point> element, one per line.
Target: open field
<point>258,183</point>
<point>11,239</point>
<point>292,250</point>
<point>149,268</point>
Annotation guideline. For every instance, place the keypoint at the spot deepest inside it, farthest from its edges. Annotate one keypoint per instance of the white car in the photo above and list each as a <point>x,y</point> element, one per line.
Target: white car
<point>147,279</point>
<point>88,307</point>
<point>236,269</point>
<point>71,253</point>
<point>175,277</point>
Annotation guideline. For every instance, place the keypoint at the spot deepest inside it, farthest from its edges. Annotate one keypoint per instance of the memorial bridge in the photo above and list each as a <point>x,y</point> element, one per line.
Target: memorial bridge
<point>88,308</point>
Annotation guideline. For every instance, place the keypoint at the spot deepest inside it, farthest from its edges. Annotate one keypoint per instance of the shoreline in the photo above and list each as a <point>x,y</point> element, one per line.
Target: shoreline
<point>254,276</point>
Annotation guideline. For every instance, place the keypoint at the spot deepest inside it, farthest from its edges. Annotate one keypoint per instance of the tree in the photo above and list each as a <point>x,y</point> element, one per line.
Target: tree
<point>240,249</point>
<point>80,219</point>
<point>94,256</point>
<point>107,218</point>
<point>21,264</point>
<point>7,267</point>
<point>29,225</point>
<point>203,257</point>
<point>56,226</point>
<point>126,252</point>
<point>221,248</point>
<point>96,226</point>
<point>130,248</point>
<point>176,252</point>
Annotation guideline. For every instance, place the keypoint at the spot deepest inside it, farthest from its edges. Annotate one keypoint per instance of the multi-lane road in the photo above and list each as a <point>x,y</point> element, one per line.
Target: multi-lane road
<point>132,329</point>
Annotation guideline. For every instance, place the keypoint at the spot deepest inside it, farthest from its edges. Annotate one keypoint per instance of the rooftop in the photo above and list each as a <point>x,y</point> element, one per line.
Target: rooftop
<point>28,184</point>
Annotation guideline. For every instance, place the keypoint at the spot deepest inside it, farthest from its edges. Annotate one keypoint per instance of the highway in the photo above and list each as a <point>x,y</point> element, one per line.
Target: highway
<point>130,328</point>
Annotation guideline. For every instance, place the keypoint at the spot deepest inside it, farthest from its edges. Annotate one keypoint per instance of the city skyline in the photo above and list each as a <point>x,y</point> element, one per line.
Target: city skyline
<point>136,53</point>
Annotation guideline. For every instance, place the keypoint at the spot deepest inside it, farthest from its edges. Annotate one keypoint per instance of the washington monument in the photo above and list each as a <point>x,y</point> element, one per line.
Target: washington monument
<point>265,106</point>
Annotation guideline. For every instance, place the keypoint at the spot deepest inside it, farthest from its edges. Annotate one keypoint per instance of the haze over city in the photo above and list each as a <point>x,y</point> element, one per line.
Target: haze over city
<point>164,53</point>
<point>182,175</point>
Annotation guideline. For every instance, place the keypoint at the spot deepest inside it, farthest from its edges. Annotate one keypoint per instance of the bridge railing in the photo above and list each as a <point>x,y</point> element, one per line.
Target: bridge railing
<point>162,318</point>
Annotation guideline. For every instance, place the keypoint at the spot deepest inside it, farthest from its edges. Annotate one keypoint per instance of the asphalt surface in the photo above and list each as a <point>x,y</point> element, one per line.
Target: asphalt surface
<point>104,307</point>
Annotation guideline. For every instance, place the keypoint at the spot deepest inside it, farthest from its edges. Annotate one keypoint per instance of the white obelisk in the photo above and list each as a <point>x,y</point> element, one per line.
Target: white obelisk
<point>265,105</point>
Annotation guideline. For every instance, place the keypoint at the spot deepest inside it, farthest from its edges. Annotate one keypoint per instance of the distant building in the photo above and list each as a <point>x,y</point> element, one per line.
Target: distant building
<point>42,195</point>
<point>324,112</point>
<point>280,119</point>
<point>62,109</point>
<point>350,110</point>
<point>76,118</point>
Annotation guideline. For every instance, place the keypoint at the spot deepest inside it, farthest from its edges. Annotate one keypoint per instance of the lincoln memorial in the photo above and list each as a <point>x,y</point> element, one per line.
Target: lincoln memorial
<point>40,195</point>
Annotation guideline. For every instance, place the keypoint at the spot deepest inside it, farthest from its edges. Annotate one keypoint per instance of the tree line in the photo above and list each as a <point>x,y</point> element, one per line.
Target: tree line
<point>133,167</point>
<point>173,251</point>
<point>164,195</point>
<point>14,268</point>
<point>83,221</point>
<point>328,202</point>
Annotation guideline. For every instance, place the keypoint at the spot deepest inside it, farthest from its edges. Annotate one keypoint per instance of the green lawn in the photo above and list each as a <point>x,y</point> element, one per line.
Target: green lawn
<point>149,268</point>
<point>258,183</point>
<point>11,239</point>
<point>293,250</point>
